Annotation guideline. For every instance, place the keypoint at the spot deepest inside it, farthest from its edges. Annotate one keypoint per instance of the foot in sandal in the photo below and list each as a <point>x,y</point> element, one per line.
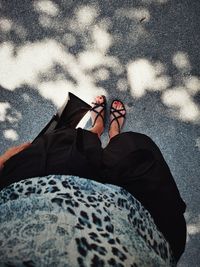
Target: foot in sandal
<point>117,117</point>
<point>98,114</point>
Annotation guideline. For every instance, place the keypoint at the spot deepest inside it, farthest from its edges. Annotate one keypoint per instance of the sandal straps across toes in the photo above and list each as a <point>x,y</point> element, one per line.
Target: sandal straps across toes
<point>119,115</point>
<point>99,112</point>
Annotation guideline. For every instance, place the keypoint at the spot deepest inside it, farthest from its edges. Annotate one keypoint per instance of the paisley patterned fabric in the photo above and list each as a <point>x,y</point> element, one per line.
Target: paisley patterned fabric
<point>61,220</point>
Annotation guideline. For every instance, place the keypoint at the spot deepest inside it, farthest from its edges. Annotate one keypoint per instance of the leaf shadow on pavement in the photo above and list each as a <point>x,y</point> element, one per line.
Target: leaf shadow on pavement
<point>106,41</point>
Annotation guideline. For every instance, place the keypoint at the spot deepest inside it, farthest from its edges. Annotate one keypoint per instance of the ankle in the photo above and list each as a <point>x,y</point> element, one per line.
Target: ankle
<point>97,129</point>
<point>113,133</point>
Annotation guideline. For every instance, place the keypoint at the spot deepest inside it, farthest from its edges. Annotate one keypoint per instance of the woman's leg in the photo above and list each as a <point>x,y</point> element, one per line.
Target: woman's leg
<point>134,162</point>
<point>98,115</point>
<point>117,117</point>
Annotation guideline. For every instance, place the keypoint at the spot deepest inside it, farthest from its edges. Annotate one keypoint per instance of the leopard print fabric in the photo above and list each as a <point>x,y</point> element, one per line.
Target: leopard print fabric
<point>61,220</point>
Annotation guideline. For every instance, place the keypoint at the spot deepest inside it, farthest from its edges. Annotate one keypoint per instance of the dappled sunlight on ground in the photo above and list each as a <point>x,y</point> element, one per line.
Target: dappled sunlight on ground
<point>34,60</point>
<point>46,7</point>
<point>31,59</point>
<point>193,228</point>
<point>198,143</point>
<point>179,98</point>
<point>142,52</point>
<point>34,64</point>
<point>181,61</point>
<point>5,24</point>
<point>85,16</point>
<point>3,110</point>
<point>144,75</point>
<point>5,115</point>
<point>12,116</point>
<point>11,134</point>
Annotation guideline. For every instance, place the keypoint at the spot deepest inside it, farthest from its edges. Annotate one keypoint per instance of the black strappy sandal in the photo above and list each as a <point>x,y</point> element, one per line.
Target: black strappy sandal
<point>113,112</point>
<point>99,113</point>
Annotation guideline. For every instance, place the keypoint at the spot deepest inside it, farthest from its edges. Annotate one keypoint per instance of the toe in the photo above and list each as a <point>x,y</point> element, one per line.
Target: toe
<point>119,105</point>
<point>99,99</point>
<point>115,103</point>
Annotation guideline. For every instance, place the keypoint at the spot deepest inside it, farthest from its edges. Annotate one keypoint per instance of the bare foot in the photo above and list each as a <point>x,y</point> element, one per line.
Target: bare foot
<point>117,117</point>
<point>98,114</point>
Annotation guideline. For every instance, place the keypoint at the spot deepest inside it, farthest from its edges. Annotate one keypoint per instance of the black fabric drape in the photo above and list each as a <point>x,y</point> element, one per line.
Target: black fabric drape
<point>69,115</point>
<point>130,160</point>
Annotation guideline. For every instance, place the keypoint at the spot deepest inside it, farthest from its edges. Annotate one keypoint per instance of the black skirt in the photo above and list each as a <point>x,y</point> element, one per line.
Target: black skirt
<point>130,160</point>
